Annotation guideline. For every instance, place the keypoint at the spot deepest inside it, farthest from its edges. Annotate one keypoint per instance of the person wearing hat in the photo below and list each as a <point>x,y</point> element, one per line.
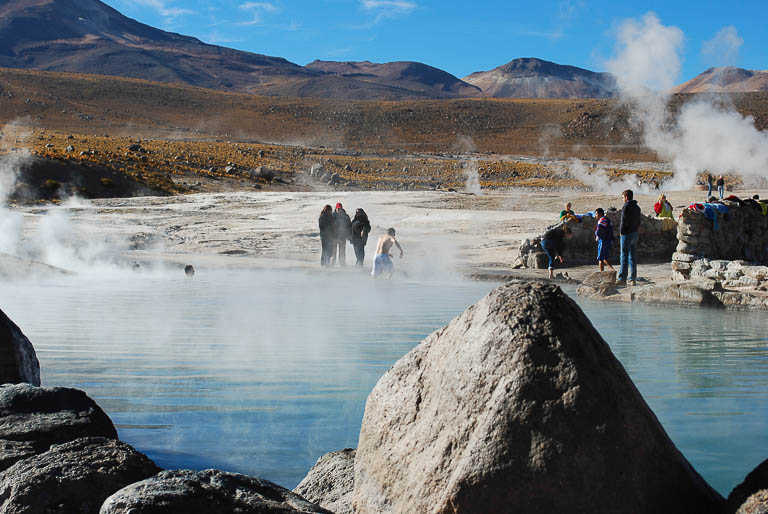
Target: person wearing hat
<point>343,226</point>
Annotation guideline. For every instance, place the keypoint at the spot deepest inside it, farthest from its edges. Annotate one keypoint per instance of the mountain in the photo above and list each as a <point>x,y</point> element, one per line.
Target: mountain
<point>403,74</point>
<point>727,79</point>
<point>88,36</point>
<point>535,78</point>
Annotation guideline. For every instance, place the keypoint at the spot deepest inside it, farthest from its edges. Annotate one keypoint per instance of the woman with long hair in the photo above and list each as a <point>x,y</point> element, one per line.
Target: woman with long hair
<point>327,235</point>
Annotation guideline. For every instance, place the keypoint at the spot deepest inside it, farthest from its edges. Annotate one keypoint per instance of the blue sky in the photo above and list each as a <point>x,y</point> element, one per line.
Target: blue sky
<point>461,37</point>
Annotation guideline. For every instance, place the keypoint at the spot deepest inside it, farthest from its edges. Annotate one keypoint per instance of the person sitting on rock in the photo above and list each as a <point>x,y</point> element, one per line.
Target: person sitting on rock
<point>553,244</point>
<point>604,238</point>
<point>568,214</point>
<point>663,208</point>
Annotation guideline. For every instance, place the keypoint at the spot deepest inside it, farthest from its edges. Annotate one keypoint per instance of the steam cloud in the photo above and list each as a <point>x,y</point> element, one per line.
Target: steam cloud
<point>472,183</point>
<point>709,135</point>
<point>53,239</point>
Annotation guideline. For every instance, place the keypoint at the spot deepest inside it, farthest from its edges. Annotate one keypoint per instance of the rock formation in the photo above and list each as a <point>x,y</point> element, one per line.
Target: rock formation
<point>330,481</point>
<point>657,242</point>
<point>518,405</point>
<point>739,234</point>
<point>210,491</point>
<point>18,360</point>
<point>756,483</point>
<point>34,418</point>
<point>598,283</point>
<point>73,477</point>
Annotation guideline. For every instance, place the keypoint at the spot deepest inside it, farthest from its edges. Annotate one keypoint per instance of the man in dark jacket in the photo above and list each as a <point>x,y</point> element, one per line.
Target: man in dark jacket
<point>343,226</point>
<point>360,229</point>
<point>628,235</point>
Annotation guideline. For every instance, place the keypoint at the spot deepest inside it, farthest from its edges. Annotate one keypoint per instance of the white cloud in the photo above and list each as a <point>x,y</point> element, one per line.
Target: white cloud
<point>257,9</point>
<point>647,55</point>
<point>261,6</point>
<point>163,7</point>
<point>385,9</point>
<point>723,49</point>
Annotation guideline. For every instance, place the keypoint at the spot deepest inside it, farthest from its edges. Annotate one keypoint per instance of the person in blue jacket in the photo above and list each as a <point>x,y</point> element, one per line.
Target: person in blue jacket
<point>604,238</point>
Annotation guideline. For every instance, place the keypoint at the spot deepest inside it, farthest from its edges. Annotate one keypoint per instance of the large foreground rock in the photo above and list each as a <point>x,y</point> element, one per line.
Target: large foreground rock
<point>210,491</point>
<point>755,482</point>
<point>34,418</point>
<point>330,481</point>
<point>73,477</point>
<point>518,405</point>
<point>18,360</point>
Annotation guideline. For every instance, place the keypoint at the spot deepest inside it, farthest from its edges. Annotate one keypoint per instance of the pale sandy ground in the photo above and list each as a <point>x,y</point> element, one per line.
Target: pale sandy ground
<point>442,233</point>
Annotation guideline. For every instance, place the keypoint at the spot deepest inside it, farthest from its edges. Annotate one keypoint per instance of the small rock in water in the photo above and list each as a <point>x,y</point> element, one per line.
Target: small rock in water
<point>189,270</point>
<point>135,266</point>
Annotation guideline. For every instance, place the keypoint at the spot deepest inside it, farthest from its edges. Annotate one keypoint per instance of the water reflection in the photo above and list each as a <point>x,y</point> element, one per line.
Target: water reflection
<point>262,372</point>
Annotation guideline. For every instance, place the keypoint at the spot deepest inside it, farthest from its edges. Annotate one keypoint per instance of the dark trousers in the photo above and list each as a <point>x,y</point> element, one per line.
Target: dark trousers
<point>327,250</point>
<point>340,251</point>
<point>359,252</point>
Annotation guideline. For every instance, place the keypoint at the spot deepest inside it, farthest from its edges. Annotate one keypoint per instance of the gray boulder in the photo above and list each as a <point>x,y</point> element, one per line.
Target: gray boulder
<point>265,173</point>
<point>34,418</point>
<point>73,477</point>
<point>18,360</point>
<point>518,405</point>
<point>695,292</point>
<point>210,491</point>
<point>330,481</point>
<point>755,481</point>
<point>598,283</point>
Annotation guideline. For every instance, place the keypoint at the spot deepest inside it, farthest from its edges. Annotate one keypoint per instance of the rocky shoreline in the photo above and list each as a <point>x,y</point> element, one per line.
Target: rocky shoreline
<point>517,405</point>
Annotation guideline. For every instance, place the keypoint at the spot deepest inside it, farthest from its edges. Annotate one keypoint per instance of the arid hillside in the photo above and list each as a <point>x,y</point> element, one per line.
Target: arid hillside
<point>136,108</point>
<point>172,139</point>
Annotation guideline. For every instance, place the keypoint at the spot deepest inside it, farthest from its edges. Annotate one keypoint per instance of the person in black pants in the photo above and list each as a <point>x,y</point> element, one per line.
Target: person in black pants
<point>361,227</point>
<point>327,235</point>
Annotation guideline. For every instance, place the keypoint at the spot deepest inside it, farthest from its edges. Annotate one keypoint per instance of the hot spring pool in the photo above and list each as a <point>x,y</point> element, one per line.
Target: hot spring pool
<point>262,372</point>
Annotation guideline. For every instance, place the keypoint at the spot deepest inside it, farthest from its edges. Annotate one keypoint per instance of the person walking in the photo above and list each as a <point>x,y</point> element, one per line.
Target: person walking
<point>343,226</point>
<point>327,235</point>
<point>604,238</point>
<point>382,262</point>
<point>720,186</point>
<point>553,244</point>
<point>628,236</point>
<point>361,227</point>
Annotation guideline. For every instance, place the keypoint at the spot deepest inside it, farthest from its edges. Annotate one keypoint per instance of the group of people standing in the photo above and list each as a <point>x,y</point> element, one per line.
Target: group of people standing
<point>336,228</point>
<point>553,242</point>
<point>720,183</point>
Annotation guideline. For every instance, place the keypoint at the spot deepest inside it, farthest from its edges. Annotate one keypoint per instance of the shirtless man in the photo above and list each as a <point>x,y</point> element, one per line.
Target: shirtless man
<point>382,262</point>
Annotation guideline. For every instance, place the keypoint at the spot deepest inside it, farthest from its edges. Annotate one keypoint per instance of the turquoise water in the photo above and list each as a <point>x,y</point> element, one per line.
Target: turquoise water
<point>262,372</point>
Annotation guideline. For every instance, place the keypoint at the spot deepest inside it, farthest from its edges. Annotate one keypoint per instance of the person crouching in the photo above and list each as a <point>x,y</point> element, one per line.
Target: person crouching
<point>553,244</point>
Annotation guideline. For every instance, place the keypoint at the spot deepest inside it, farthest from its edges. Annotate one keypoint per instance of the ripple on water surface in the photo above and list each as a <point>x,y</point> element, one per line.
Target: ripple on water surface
<point>261,372</point>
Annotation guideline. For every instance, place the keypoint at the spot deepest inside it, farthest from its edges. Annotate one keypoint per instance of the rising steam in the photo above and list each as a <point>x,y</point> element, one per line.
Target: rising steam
<point>709,135</point>
<point>472,176</point>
